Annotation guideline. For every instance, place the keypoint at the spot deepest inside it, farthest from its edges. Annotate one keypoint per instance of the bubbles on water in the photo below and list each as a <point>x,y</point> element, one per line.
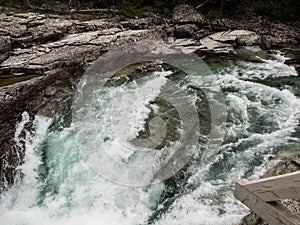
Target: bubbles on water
<point>134,132</point>
<point>70,193</point>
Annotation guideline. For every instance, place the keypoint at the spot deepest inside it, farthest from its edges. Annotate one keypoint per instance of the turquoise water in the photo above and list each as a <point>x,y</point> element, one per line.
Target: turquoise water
<point>64,183</point>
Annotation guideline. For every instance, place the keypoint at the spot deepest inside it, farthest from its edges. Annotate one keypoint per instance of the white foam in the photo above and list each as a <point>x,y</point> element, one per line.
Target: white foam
<point>268,68</point>
<point>24,193</point>
<point>76,194</point>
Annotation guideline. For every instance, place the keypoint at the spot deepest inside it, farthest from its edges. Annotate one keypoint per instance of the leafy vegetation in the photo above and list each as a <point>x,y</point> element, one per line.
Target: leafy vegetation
<point>132,8</point>
<point>280,9</point>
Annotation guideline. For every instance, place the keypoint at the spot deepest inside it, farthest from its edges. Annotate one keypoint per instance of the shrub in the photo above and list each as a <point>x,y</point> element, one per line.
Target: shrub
<point>132,8</point>
<point>214,14</point>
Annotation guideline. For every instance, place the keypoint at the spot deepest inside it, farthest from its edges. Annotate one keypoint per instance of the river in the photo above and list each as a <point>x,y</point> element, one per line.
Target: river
<point>63,183</point>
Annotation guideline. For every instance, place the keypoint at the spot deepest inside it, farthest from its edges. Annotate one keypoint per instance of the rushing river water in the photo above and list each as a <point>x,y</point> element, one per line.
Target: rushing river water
<point>59,187</point>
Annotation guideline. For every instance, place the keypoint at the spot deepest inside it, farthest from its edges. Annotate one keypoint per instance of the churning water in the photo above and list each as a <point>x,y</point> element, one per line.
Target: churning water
<point>59,187</point>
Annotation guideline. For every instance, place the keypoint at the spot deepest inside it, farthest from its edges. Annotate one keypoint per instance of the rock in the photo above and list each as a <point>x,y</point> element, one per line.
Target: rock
<point>297,38</point>
<point>186,14</point>
<point>241,37</point>
<point>292,52</point>
<point>186,42</point>
<point>252,219</point>
<point>5,44</point>
<point>265,42</point>
<point>288,151</point>
<point>5,47</point>
<point>58,49</point>
<point>290,165</point>
<point>49,91</point>
<point>218,25</point>
<point>187,45</point>
<point>185,31</point>
<point>278,33</point>
<point>3,57</point>
<point>10,13</point>
<point>208,45</point>
<point>251,54</point>
<point>170,31</point>
<point>244,37</point>
<point>55,47</point>
<point>202,33</point>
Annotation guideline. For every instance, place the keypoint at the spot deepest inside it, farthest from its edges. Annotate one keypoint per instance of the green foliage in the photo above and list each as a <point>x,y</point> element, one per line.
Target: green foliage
<point>63,8</point>
<point>132,8</point>
<point>107,3</point>
<point>58,8</point>
<point>214,14</point>
<point>269,8</point>
<point>8,3</point>
<point>166,7</point>
<point>280,9</point>
<point>162,6</point>
<point>297,24</point>
<point>46,8</point>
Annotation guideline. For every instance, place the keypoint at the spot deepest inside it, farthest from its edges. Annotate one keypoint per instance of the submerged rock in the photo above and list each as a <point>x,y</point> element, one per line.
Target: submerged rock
<point>253,54</point>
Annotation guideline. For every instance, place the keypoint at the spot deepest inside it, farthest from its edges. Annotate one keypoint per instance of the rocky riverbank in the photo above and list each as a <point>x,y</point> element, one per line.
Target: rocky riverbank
<point>53,51</point>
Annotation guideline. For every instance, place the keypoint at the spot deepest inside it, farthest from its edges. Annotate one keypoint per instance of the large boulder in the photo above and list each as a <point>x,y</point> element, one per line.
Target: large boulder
<point>186,14</point>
